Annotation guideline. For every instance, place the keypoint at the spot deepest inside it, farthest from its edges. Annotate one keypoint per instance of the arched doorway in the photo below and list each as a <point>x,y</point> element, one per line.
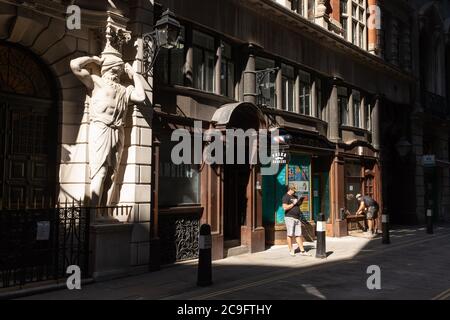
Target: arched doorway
<point>27,130</point>
<point>240,216</point>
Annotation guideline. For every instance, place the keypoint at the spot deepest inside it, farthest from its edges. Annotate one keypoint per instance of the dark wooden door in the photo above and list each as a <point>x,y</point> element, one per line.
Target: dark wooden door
<point>235,200</point>
<point>27,163</point>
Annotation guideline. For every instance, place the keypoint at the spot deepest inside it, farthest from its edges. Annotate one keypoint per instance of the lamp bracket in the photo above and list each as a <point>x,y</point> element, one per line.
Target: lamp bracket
<point>151,49</point>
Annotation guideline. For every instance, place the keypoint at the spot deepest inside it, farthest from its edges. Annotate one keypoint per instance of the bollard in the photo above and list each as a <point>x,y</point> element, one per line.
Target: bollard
<point>321,251</point>
<point>204,275</point>
<point>429,221</point>
<point>385,227</point>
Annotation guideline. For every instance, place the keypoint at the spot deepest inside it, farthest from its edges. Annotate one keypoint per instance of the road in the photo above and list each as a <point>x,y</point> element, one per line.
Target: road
<point>414,266</point>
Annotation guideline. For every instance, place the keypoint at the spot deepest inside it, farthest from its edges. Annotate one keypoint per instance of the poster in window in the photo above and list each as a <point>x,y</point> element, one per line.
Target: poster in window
<point>299,174</point>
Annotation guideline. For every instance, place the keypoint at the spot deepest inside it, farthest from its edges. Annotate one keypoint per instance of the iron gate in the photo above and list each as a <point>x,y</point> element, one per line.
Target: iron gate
<point>39,244</point>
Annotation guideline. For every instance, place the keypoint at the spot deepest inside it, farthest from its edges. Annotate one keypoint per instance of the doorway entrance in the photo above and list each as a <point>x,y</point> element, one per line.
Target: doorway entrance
<point>27,130</point>
<point>236,178</point>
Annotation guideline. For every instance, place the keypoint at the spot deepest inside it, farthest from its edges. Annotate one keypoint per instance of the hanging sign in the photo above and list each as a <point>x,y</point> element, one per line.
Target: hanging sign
<point>279,157</point>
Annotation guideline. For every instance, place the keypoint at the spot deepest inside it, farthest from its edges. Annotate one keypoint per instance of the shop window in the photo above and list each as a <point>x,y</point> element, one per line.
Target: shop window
<point>288,87</point>
<point>353,180</point>
<point>170,64</point>
<point>227,71</point>
<point>178,184</point>
<point>204,61</point>
<point>299,173</point>
<point>266,84</point>
<point>343,105</point>
<point>305,93</point>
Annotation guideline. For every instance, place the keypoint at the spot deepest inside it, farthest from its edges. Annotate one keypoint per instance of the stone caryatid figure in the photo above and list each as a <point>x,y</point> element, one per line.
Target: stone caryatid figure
<point>109,100</point>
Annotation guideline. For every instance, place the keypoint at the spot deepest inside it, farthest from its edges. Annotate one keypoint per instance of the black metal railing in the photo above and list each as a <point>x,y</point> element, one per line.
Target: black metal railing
<point>39,244</point>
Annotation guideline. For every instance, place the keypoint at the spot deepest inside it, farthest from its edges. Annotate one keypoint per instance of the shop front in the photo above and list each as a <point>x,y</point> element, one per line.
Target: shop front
<point>307,166</point>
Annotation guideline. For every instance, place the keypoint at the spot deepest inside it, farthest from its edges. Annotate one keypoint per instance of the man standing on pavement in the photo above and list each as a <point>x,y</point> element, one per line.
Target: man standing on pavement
<point>369,206</point>
<point>291,206</point>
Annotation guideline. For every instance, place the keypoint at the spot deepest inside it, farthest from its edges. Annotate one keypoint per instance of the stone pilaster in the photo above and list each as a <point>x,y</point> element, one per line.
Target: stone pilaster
<point>333,130</point>
<point>250,79</point>
<point>136,186</point>
<point>376,124</point>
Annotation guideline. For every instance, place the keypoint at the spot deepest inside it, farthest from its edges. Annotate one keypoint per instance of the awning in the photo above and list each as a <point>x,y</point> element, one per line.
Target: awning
<point>223,115</point>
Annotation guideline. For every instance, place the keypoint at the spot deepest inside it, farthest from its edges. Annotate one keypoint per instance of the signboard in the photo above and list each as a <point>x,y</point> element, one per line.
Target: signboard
<point>279,157</point>
<point>429,160</point>
<point>205,242</point>
<point>43,230</point>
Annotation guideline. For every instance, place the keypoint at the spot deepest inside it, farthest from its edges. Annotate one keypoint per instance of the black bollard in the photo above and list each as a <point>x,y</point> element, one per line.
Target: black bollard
<point>385,227</point>
<point>429,221</point>
<point>204,275</point>
<point>321,251</point>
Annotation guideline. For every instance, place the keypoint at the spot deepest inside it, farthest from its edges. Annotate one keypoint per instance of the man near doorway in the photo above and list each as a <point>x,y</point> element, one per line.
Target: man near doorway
<point>370,207</point>
<point>291,206</point>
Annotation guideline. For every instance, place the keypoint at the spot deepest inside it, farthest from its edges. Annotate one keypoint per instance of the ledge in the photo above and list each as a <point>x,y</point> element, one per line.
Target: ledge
<point>181,210</point>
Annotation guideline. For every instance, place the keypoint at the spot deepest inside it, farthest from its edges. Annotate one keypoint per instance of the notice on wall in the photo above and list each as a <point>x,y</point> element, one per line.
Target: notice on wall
<point>299,174</point>
<point>43,230</point>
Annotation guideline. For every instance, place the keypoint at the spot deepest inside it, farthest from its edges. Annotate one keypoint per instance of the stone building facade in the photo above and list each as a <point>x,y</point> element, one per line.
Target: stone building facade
<point>359,85</point>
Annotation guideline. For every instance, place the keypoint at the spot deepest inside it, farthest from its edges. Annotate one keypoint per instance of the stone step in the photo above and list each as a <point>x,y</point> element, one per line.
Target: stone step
<point>235,251</point>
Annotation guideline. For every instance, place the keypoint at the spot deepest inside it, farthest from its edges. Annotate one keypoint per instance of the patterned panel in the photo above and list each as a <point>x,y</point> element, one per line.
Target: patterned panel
<point>179,237</point>
<point>21,74</point>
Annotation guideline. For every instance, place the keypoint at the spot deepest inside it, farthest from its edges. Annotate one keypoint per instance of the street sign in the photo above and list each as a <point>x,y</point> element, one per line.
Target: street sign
<point>429,160</point>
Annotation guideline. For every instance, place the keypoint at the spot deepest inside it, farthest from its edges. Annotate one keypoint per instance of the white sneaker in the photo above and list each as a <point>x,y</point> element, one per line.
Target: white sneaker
<point>306,254</point>
<point>292,253</point>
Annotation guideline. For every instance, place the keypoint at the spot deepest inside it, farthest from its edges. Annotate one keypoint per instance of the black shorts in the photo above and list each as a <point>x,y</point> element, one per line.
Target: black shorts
<point>372,213</point>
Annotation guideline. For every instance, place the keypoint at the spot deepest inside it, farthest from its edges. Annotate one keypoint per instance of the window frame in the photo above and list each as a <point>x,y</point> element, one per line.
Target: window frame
<point>204,51</point>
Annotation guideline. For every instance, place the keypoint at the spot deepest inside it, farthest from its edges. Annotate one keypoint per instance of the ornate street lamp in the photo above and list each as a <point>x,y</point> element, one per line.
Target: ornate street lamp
<point>166,34</point>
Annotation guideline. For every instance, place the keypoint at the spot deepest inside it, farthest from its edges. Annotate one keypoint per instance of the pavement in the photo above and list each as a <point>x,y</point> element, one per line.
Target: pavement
<point>413,266</point>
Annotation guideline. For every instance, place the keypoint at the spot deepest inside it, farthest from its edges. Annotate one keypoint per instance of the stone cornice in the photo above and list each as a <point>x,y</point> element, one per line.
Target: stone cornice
<point>57,10</point>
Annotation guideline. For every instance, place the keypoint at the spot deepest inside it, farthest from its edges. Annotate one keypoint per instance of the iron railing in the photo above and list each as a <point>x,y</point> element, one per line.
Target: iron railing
<point>39,244</point>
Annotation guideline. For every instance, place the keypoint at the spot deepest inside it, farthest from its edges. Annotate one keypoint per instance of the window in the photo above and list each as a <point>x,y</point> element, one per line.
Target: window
<point>204,61</point>
<point>305,93</point>
<point>343,7</point>
<point>288,87</point>
<point>298,6</point>
<point>356,109</point>
<point>343,105</point>
<point>352,184</point>
<point>227,71</point>
<point>354,26</point>
<point>265,85</point>
<point>354,33</point>
<point>170,64</point>
<point>311,9</point>
<point>367,121</point>
<point>344,23</point>
<point>319,96</point>
<point>178,184</point>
